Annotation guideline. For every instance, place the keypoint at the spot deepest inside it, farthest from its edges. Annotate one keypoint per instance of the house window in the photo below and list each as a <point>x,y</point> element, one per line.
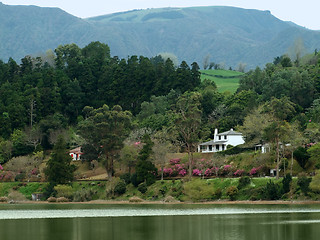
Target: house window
<point>217,147</point>
<point>225,137</point>
<point>210,148</point>
<point>203,148</point>
<point>219,137</point>
<point>222,147</point>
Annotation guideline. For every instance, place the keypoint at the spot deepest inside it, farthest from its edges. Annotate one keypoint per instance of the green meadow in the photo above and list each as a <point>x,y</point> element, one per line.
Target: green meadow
<point>226,80</point>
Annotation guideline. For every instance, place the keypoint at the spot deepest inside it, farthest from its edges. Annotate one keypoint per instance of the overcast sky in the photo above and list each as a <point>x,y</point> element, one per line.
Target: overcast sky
<point>305,13</point>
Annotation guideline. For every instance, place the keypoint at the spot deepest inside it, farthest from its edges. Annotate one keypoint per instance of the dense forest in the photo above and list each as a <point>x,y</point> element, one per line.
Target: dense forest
<point>105,104</point>
<point>50,93</point>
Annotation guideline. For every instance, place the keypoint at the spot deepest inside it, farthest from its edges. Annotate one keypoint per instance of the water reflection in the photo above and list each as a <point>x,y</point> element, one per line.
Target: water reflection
<point>133,222</point>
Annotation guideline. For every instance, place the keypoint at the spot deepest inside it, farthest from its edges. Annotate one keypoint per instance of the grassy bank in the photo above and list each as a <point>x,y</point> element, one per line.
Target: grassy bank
<point>197,190</point>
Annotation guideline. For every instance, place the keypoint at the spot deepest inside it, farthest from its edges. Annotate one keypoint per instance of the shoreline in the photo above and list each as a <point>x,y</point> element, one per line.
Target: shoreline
<point>222,202</point>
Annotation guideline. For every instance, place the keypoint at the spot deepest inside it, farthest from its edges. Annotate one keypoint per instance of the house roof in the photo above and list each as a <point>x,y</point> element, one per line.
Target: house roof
<point>76,150</point>
<point>212,142</point>
<point>230,132</point>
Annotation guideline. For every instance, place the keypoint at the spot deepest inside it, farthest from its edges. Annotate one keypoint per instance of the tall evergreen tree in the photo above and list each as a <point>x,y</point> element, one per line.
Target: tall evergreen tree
<point>145,169</point>
<point>59,169</point>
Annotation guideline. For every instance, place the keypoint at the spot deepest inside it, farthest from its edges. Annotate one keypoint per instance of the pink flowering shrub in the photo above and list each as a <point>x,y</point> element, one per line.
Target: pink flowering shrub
<point>254,171</point>
<point>6,176</point>
<point>196,172</point>
<point>239,173</point>
<point>178,167</point>
<point>226,167</point>
<point>175,161</point>
<point>208,172</point>
<point>183,172</point>
<point>167,172</point>
<point>211,171</point>
<point>35,171</point>
<point>1,168</point>
<point>226,170</point>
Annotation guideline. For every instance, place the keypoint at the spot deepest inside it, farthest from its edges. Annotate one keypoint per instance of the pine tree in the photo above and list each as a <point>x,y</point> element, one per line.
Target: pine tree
<point>59,169</point>
<point>145,169</point>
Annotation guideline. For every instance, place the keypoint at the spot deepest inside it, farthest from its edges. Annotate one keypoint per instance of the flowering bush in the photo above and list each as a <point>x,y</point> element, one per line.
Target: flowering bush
<point>167,172</point>
<point>255,171</point>
<point>1,168</point>
<point>178,167</point>
<point>175,161</point>
<point>35,171</point>
<point>183,172</point>
<point>211,171</point>
<point>196,172</point>
<point>239,172</point>
<point>226,167</point>
<point>208,172</point>
<point>6,176</point>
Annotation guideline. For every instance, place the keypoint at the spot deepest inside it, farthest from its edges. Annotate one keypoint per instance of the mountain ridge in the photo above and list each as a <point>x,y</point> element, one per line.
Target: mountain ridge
<point>229,35</point>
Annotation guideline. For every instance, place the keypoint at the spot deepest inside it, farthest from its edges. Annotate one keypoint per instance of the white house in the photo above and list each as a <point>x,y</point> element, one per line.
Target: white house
<point>221,141</point>
<point>75,153</point>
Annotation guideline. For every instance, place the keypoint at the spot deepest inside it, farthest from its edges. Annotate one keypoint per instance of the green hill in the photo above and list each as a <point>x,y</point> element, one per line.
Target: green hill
<point>225,80</point>
<point>229,35</point>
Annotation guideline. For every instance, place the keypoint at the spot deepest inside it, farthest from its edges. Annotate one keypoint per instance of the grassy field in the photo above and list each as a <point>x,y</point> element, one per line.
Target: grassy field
<point>225,80</point>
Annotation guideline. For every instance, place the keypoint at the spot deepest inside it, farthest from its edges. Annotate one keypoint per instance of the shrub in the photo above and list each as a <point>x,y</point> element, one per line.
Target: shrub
<point>231,192</point>
<point>303,183</point>
<point>83,195</point>
<point>183,172</point>
<point>64,191</point>
<point>52,199</point>
<point>170,199</point>
<point>271,191</point>
<point>315,183</point>
<point>217,193</point>
<point>167,172</point>
<point>35,171</point>
<point>134,180</point>
<point>244,181</point>
<point>286,181</point>
<point>126,178</point>
<point>255,171</point>
<point>6,176</point>
<point>20,177</point>
<point>135,199</point>
<point>142,188</point>
<point>111,184</point>
<point>16,196</point>
<point>120,188</point>
<point>239,173</point>
<point>302,156</point>
<point>175,161</point>
<point>62,199</point>
<point>163,190</point>
<point>196,172</point>
<point>3,199</point>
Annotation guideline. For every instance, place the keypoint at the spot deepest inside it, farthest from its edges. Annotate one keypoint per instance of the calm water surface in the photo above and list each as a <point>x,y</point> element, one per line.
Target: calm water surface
<point>138,222</point>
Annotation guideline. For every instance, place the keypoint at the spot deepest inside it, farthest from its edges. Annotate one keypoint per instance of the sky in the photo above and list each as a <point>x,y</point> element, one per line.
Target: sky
<point>302,12</point>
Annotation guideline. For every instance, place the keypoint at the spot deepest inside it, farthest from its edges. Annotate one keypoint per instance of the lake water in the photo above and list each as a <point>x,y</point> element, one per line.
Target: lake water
<point>163,222</point>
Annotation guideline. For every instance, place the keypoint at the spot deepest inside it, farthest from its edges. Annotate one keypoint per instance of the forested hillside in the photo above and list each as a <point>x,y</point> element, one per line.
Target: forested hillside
<point>51,92</point>
<point>129,114</point>
<point>228,36</point>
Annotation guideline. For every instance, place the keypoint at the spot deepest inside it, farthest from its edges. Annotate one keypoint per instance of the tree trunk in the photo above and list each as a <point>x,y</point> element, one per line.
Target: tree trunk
<point>162,174</point>
<point>291,161</point>
<point>278,156</point>
<point>109,167</point>
<point>190,162</point>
